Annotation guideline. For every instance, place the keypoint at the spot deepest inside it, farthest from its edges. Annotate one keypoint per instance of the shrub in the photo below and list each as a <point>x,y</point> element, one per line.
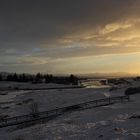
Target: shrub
<point>131,91</point>
<point>19,138</point>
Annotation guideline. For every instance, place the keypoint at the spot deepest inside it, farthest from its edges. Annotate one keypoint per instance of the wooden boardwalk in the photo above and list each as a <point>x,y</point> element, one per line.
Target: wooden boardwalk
<point>59,111</point>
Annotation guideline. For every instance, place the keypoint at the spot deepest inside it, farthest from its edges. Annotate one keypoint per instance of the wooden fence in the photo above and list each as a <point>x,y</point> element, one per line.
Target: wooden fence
<point>59,111</point>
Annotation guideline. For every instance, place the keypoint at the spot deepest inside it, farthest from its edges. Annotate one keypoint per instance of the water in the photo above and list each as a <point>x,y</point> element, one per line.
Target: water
<point>93,83</point>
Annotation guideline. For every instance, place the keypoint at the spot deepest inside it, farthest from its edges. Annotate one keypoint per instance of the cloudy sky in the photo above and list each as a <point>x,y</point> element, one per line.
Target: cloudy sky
<point>70,36</point>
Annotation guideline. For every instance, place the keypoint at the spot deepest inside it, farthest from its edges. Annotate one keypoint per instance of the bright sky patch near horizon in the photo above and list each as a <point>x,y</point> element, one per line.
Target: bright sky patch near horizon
<point>70,36</point>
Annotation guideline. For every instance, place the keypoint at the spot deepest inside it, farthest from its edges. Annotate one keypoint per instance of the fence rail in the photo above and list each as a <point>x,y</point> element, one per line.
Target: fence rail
<point>59,111</point>
<point>44,88</point>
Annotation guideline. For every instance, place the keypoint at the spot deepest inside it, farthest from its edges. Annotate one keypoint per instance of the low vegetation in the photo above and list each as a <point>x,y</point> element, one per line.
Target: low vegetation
<point>19,138</point>
<point>131,91</point>
<point>117,81</point>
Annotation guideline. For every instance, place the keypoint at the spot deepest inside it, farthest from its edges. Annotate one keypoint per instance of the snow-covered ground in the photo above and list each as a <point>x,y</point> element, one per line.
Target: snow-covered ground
<point>17,85</point>
<point>115,122</point>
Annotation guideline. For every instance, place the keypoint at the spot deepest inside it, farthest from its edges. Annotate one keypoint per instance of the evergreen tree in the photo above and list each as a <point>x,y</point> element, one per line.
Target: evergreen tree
<point>73,79</point>
<point>15,77</point>
<point>38,78</point>
<point>0,77</point>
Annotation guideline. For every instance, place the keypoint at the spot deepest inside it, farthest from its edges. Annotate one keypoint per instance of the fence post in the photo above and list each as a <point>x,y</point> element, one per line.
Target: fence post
<point>121,99</point>
<point>128,97</point>
<point>5,122</point>
<point>16,119</point>
<point>109,100</point>
<point>56,111</point>
<point>96,102</point>
<point>47,113</point>
<point>86,106</point>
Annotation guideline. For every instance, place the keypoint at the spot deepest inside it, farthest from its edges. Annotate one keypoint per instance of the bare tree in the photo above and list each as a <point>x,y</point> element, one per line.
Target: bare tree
<point>34,109</point>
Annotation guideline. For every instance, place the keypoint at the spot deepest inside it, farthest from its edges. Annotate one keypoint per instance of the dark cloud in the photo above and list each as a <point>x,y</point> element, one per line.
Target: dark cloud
<point>28,21</point>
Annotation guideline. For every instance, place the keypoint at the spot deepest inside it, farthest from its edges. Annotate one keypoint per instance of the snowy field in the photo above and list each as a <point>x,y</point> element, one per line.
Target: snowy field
<point>115,122</point>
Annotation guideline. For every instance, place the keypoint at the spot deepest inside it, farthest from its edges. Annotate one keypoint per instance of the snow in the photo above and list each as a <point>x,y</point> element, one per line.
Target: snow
<point>28,85</point>
<point>114,122</point>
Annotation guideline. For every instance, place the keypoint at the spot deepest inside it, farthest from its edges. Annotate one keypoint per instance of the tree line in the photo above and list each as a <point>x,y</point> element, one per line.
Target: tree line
<point>40,78</point>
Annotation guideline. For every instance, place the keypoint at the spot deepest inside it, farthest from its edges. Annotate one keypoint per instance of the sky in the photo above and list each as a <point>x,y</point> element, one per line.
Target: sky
<point>70,36</point>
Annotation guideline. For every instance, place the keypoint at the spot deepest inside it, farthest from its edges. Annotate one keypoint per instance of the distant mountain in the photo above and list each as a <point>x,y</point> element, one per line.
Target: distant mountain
<point>108,75</point>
